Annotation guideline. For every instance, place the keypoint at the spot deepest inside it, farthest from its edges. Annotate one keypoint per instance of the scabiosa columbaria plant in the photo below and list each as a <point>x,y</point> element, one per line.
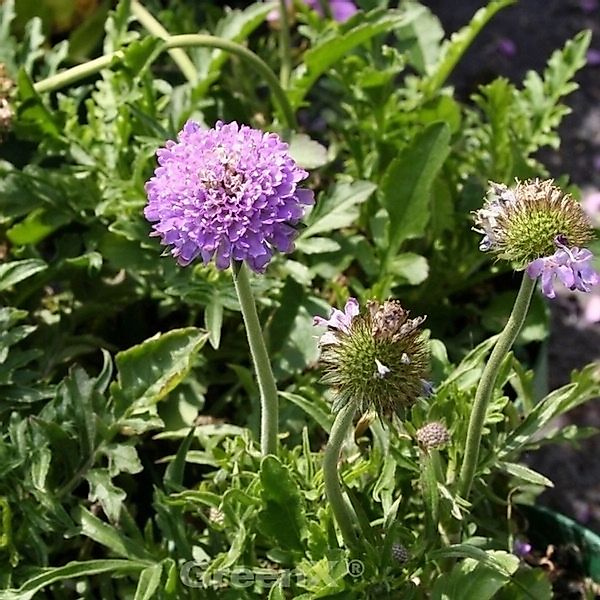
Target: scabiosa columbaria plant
<point>229,193</point>
<point>376,359</point>
<point>538,228</point>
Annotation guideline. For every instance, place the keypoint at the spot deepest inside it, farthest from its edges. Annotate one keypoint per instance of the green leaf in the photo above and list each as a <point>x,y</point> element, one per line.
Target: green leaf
<point>15,271</point>
<point>71,570</point>
<point>410,268</point>
<point>339,209</point>
<point>525,474</point>
<point>308,153</point>
<point>103,490</point>
<point>421,38</point>
<point>149,371</point>
<point>535,581</point>
<point>406,184</point>
<point>108,536</point>
<point>339,41</point>
<point>37,226</point>
<point>174,472</point>
<point>283,516</point>
<point>585,385</point>
<point>318,413</point>
<point>453,49</point>
<point>122,458</point>
<point>213,320</point>
<point>236,26</point>
<point>148,582</point>
<point>478,577</point>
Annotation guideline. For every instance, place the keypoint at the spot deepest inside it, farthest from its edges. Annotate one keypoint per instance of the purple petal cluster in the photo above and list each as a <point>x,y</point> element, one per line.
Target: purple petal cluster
<point>229,193</point>
<point>571,266</point>
<point>338,320</point>
<point>341,10</point>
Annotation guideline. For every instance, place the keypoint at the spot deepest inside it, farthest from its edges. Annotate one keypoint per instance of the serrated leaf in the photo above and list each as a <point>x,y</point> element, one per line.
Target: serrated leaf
<point>103,490</point>
<point>453,50</point>
<point>149,371</point>
<point>283,516</point>
<point>338,42</point>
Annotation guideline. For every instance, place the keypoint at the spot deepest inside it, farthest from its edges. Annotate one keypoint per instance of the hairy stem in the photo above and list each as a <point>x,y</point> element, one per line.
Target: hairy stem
<point>180,58</point>
<point>333,488</point>
<point>285,44</point>
<point>488,380</point>
<point>74,74</point>
<point>269,418</point>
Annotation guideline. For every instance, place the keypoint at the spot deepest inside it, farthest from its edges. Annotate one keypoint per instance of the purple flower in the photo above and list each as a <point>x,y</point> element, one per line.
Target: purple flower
<point>593,57</point>
<point>571,266</point>
<point>340,320</point>
<point>588,6</point>
<point>228,193</point>
<point>591,205</point>
<point>341,10</point>
<point>507,47</point>
<point>521,548</point>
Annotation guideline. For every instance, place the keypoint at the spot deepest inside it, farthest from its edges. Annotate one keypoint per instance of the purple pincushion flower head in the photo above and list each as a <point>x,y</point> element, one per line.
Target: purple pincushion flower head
<point>229,193</point>
<point>541,230</point>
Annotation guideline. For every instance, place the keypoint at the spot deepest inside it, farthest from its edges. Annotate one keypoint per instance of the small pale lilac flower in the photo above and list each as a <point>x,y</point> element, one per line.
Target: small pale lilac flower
<point>341,10</point>
<point>593,57</point>
<point>571,266</point>
<point>338,320</point>
<point>591,311</point>
<point>588,6</point>
<point>507,47</point>
<point>591,205</point>
<point>521,548</point>
<point>229,193</point>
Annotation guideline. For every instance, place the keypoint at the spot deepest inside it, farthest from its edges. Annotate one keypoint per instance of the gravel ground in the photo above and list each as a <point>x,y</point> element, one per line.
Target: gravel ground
<point>520,38</point>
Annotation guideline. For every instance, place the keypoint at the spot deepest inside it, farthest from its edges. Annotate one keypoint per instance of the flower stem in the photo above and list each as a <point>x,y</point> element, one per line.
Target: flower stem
<point>78,72</point>
<point>333,489</point>
<point>429,484</point>
<point>488,380</point>
<point>269,418</point>
<point>180,58</point>
<point>285,44</point>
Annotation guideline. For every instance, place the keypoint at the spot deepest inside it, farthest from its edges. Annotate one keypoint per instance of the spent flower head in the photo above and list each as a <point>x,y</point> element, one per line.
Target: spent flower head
<point>537,227</point>
<point>377,358</point>
<point>229,193</point>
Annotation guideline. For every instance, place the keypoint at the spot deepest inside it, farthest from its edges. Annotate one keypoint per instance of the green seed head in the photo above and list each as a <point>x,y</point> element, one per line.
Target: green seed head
<point>522,224</point>
<point>379,362</point>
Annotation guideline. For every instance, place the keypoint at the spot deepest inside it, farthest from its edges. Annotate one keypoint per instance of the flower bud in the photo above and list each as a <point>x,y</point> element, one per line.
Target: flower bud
<point>377,359</point>
<point>400,553</point>
<point>433,436</point>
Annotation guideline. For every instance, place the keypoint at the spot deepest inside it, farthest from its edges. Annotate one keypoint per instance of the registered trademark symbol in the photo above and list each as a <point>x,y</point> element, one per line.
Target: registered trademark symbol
<point>355,568</point>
